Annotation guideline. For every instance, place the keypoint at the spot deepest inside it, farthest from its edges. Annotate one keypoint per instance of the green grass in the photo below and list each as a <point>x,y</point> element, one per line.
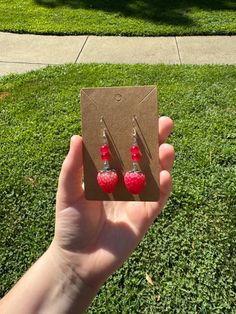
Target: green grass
<point>190,251</point>
<point>136,17</point>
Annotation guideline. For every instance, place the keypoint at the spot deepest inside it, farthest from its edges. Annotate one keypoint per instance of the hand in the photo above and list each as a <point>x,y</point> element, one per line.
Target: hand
<point>94,238</point>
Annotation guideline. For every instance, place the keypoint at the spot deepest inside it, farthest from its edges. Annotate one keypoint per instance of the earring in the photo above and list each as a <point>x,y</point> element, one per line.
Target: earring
<point>107,178</point>
<point>135,179</point>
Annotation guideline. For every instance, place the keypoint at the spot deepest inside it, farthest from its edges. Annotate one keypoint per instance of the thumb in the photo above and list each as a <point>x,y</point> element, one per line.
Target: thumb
<point>70,179</point>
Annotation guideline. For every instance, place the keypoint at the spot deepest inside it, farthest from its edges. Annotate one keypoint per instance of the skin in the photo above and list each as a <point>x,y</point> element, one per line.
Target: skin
<point>92,239</point>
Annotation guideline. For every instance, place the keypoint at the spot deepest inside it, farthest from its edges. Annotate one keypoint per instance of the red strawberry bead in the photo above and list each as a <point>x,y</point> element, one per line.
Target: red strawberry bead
<point>134,181</point>
<point>107,180</point>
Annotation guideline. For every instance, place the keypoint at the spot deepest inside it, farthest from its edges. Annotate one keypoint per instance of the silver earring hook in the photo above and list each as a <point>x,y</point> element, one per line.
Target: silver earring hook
<point>102,124</point>
<point>134,130</point>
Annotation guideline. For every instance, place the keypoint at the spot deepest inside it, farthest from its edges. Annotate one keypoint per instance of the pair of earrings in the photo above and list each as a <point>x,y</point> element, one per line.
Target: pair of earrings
<point>107,178</point>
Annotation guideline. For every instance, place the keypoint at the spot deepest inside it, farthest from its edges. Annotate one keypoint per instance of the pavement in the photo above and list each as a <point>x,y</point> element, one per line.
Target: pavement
<point>23,52</point>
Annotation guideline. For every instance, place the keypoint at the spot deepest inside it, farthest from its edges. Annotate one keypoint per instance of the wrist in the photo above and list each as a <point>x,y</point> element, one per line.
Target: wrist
<point>49,286</point>
<point>67,289</point>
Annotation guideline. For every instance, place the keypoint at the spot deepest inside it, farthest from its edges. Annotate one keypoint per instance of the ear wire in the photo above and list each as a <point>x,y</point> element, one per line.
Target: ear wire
<point>102,125</point>
<point>134,131</point>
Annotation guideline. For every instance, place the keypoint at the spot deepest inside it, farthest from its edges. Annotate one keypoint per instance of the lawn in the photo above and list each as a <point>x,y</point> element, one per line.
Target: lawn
<point>136,17</point>
<point>190,251</point>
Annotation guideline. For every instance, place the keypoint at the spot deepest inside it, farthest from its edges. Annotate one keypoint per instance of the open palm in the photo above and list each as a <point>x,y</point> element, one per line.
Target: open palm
<point>96,237</point>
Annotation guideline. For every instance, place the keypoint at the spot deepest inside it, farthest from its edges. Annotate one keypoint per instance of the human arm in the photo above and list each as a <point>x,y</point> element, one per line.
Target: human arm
<point>92,239</point>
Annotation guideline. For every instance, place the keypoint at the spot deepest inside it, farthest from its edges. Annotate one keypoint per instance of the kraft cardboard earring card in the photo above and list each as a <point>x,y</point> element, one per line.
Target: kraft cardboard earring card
<point>120,143</point>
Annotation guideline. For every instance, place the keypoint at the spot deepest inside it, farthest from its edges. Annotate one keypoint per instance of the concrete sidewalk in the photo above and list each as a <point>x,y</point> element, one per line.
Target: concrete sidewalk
<point>21,52</point>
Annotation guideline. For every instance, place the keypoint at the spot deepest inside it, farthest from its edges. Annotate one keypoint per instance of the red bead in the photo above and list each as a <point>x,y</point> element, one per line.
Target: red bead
<point>135,149</point>
<point>104,149</point>
<point>105,156</point>
<point>136,157</point>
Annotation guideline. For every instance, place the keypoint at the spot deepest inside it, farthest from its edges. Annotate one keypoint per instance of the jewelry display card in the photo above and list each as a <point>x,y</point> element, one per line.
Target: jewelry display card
<point>119,110</point>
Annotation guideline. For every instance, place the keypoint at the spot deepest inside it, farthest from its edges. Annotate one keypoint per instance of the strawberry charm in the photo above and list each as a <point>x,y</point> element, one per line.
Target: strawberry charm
<point>107,178</point>
<point>135,179</point>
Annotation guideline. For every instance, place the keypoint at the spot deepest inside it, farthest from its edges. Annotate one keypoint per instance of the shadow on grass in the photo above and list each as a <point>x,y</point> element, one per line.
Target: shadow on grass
<point>171,12</point>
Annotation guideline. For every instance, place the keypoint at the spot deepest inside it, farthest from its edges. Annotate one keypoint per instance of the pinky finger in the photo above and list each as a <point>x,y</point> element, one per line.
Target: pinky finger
<point>165,187</point>
<point>165,190</point>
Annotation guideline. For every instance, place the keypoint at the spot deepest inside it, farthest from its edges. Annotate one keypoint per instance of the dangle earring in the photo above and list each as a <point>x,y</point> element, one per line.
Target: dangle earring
<point>107,178</point>
<point>135,179</point>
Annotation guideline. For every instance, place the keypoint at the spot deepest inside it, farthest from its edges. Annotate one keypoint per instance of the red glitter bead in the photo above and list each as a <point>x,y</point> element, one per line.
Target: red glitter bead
<point>135,149</point>
<point>104,149</point>
<point>136,157</point>
<point>105,156</point>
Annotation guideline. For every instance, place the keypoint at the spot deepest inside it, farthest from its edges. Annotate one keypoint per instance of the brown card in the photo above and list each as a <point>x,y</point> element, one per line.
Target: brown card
<point>118,106</point>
